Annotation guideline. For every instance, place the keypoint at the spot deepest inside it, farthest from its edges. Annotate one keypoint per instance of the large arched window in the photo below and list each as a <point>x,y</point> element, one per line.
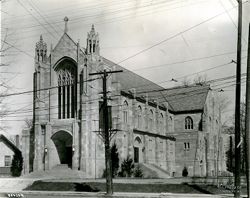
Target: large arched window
<point>188,123</point>
<point>139,117</point>
<point>67,89</point>
<point>125,112</point>
<point>151,119</point>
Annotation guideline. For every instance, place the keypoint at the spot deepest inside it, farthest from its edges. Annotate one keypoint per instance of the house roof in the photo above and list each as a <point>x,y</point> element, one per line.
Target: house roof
<point>8,143</point>
<point>180,99</point>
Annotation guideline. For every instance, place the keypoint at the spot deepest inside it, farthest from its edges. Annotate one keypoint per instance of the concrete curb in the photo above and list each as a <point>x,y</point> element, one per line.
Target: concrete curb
<point>115,195</point>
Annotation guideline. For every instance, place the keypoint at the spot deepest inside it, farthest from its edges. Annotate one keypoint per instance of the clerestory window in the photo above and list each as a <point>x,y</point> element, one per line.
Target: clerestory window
<point>188,123</point>
<point>125,112</point>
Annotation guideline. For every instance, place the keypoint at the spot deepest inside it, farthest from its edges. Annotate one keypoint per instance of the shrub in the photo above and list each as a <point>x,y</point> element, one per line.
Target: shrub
<point>138,172</point>
<point>17,164</point>
<point>127,168</point>
<point>115,159</point>
<point>185,172</point>
<point>104,173</point>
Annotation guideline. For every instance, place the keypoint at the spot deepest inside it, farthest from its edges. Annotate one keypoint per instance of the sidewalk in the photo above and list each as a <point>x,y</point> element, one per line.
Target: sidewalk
<point>16,185</point>
<point>115,195</point>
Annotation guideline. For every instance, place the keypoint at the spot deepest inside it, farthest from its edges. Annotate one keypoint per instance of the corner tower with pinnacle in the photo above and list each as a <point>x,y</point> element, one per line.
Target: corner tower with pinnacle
<point>93,42</point>
<point>41,51</point>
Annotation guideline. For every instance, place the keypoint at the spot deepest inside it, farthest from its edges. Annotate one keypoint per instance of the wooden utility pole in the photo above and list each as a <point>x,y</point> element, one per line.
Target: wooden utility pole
<point>248,116</point>
<point>237,106</point>
<point>81,120</point>
<point>108,163</point>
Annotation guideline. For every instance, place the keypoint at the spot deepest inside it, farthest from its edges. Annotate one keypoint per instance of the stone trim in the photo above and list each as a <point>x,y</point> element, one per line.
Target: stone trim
<point>142,100</point>
<point>154,135</point>
<point>186,112</point>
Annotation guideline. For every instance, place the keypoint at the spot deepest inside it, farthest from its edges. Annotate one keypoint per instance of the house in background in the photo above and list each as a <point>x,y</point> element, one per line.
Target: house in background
<point>7,150</point>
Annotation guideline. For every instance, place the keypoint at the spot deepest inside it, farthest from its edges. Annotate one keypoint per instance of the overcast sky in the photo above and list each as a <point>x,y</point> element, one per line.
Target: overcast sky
<point>186,36</point>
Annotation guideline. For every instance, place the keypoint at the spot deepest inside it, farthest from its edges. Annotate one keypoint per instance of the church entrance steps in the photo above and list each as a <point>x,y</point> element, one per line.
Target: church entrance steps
<point>61,171</point>
<point>161,169</point>
<point>153,171</point>
<point>61,167</point>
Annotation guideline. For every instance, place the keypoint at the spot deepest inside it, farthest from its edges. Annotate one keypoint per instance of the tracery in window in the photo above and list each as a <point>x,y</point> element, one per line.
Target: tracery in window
<point>188,123</point>
<point>67,90</point>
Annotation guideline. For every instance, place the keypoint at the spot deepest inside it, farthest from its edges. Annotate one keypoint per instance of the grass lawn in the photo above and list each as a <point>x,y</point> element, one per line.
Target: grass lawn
<point>146,188</point>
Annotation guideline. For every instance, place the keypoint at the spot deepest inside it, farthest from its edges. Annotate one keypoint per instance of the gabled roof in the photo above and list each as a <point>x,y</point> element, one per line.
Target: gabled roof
<point>187,98</point>
<point>8,143</point>
<point>180,99</point>
<point>129,80</point>
<point>65,39</point>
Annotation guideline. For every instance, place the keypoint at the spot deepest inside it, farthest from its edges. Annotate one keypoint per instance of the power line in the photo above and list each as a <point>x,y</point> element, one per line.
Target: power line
<point>35,18</point>
<point>118,11</point>
<point>105,21</point>
<point>43,89</point>
<point>171,37</point>
<point>148,91</point>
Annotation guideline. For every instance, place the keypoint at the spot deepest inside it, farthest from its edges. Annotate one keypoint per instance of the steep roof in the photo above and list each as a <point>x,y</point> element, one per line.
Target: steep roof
<point>180,99</point>
<point>8,143</point>
<point>129,80</point>
<point>187,98</point>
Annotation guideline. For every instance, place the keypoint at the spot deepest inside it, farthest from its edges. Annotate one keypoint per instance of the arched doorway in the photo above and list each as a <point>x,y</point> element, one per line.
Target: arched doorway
<point>63,143</point>
<point>137,150</point>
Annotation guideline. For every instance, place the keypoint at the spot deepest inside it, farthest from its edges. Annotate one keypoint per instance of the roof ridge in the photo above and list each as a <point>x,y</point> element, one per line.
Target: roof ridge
<point>65,33</point>
<point>115,64</point>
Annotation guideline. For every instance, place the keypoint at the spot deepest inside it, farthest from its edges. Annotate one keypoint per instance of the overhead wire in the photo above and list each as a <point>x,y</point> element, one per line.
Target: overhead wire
<point>148,91</point>
<point>135,55</point>
<point>74,20</point>
<point>129,15</point>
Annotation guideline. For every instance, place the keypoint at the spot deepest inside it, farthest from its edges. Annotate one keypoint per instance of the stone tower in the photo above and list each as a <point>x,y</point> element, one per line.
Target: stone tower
<point>41,51</point>
<point>93,42</point>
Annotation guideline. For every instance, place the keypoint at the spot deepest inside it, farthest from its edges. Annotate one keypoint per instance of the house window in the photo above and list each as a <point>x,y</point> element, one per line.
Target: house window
<point>125,112</point>
<point>188,123</point>
<point>7,160</point>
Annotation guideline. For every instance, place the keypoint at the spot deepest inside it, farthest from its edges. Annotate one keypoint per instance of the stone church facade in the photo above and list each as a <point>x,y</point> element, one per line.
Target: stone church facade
<point>169,129</point>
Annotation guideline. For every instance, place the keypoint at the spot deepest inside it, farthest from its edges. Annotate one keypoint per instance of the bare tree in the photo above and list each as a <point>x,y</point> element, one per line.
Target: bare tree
<point>201,80</point>
<point>186,82</point>
<point>5,75</point>
<point>28,123</point>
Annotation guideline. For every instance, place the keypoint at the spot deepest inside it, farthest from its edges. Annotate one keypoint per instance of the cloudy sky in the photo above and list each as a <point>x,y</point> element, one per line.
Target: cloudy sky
<point>158,39</point>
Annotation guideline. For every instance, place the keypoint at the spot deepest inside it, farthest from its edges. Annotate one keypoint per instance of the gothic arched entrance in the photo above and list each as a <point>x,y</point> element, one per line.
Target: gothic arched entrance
<point>137,150</point>
<point>63,143</point>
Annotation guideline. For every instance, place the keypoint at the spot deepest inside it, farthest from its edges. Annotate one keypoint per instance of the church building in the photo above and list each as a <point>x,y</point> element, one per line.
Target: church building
<point>165,129</point>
